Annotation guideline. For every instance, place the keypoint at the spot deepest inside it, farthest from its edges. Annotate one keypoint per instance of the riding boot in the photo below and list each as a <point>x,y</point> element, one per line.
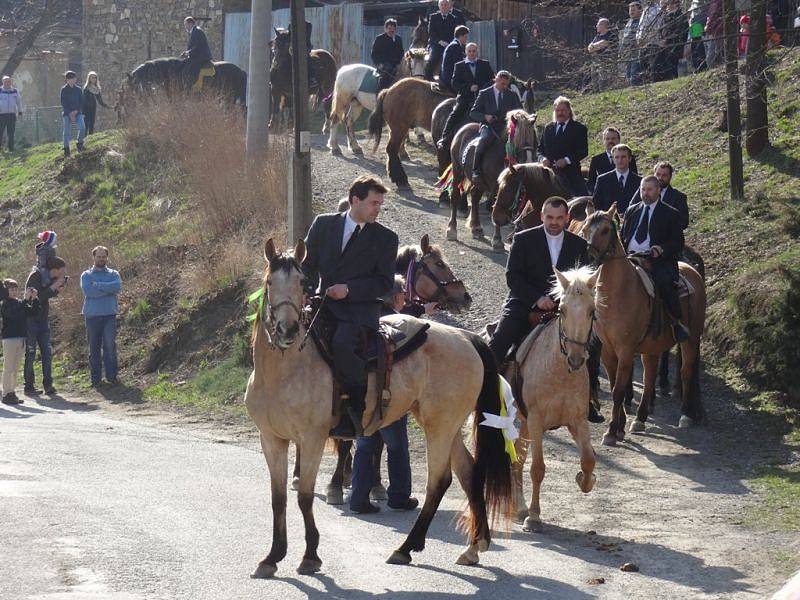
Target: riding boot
<point>476,162</point>
<point>349,426</point>
<point>673,305</point>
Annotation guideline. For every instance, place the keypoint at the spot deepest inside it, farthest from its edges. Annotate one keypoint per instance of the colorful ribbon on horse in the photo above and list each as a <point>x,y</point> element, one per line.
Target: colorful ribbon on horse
<point>257,296</point>
<point>505,421</point>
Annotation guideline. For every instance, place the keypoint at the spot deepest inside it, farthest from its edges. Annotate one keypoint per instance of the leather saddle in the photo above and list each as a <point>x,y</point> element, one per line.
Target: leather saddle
<point>658,317</point>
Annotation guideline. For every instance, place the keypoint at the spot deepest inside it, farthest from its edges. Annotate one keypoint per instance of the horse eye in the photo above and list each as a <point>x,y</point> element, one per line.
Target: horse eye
<point>440,264</point>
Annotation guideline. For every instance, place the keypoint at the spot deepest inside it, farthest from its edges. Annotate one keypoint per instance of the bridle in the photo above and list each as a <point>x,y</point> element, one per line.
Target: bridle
<point>425,270</point>
<point>563,339</point>
<point>601,256</point>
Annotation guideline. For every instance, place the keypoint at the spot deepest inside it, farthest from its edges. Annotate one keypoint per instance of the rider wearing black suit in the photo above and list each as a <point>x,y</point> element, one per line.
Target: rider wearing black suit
<point>618,185</point>
<point>441,30</point>
<point>669,195</point>
<point>350,258</point>
<point>197,51</point>
<point>654,227</point>
<point>604,162</point>
<point>387,52</point>
<point>564,144</point>
<point>490,110</point>
<point>452,54</point>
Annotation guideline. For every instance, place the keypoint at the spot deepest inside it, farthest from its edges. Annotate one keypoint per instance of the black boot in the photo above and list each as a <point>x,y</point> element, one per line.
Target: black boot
<point>476,165</point>
<point>594,415</point>
<point>680,332</point>
<point>349,426</point>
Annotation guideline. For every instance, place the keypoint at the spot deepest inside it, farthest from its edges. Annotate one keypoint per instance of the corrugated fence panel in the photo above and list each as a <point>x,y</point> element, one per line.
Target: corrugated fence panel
<point>236,45</point>
<point>484,34</point>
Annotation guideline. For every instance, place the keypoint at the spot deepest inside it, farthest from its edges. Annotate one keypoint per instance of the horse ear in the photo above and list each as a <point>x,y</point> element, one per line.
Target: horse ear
<point>592,281</point>
<point>277,33</point>
<point>269,250</point>
<point>561,279</point>
<point>612,212</point>
<point>425,244</point>
<point>533,119</point>
<point>300,251</point>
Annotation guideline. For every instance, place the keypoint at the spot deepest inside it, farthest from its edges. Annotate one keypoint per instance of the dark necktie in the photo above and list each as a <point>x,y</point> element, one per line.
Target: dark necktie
<point>622,181</point>
<point>560,129</point>
<point>644,225</point>
<point>499,100</point>
<point>472,68</point>
<point>352,239</point>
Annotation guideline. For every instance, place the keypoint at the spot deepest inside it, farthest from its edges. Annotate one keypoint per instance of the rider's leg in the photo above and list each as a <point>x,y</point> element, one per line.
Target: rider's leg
<point>486,137</point>
<point>457,115</point>
<point>352,369</point>
<point>512,328</point>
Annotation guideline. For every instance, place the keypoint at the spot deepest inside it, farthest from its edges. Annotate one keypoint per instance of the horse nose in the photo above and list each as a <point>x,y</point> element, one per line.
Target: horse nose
<point>575,362</point>
<point>293,330</point>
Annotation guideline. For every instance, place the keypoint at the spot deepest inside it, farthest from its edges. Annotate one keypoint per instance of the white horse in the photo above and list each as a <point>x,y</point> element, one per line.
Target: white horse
<point>349,101</point>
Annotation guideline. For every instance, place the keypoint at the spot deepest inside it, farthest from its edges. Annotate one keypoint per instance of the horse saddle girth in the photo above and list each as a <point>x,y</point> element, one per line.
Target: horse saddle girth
<point>468,151</point>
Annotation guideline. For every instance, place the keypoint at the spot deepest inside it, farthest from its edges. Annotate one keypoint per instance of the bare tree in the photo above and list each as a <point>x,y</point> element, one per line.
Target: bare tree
<point>757,123</point>
<point>30,18</point>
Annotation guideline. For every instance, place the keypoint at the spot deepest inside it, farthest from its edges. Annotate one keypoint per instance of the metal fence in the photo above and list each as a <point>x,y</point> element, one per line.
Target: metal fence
<point>42,124</point>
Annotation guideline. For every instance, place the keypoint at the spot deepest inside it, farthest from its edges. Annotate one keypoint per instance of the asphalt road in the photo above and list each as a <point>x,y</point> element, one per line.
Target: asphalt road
<point>97,503</point>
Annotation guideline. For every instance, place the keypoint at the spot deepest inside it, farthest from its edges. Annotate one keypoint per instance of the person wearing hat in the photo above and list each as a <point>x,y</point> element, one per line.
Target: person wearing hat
<point>71,100</point>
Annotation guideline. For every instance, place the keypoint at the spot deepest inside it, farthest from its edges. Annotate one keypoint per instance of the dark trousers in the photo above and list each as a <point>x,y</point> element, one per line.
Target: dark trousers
<point>665,273</point>
<point>102,335</point>
<point>8,124</point>
<point>572,178</point>
<point>89,118</point>
<point>513,327</point>
<point>436,53</point>
<point>348,339</point>
<point>457,116</point>
<point>666,64</point>
<point>38,336</point>
<point>396,438</point>
<point>486,135</point>
<point>192,70</point>
<point>699,55</point>
<point>387,75</point>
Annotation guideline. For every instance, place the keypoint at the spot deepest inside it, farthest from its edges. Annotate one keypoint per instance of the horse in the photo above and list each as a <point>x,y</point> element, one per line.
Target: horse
<point>288,397</point>
<point>520,137</point>
<point>624,311</point>
<point>408,103</point>
<point>321,65</point>
<point>348,100</point>
<point>555,385</point>
<point>168,75</point>
<point>432,280</point>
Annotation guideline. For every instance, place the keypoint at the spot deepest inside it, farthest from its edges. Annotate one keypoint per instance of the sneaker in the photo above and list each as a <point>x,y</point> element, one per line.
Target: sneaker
<point>11,398</point>
<point>409,504</point>
<point>50,391</point>
<point>32,391</point>
<point>79,146</point>
<point>112,381</point>
<point>367,509</point>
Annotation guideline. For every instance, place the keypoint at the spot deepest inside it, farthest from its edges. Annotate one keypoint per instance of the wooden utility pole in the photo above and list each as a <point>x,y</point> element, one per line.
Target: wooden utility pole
<point>731,27</point>
<point>257,135</point>
<point>300,172</point>
<point>757,120</point>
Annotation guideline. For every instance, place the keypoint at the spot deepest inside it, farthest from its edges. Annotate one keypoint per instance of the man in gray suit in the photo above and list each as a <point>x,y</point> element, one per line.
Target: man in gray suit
<point>490,109</point>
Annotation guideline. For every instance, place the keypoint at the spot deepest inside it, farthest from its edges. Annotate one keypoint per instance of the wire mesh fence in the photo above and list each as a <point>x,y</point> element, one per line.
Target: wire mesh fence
<point>42,124</point>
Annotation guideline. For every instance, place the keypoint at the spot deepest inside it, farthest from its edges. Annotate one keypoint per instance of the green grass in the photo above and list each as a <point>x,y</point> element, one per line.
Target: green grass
<point>780,489</point>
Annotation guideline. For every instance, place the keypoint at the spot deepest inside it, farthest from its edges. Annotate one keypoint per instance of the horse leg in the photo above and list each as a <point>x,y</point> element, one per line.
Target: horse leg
<point>585,478</point>
<point>463,465</point>
<point>420,135</point>
<point>352,141</point>
<point>296,471</point>
<point>497,240</point>
<point>622,368</point>
<point>679,356</point>
<point>533,522</point>
<point>691,406</point>
<point>312,453</point>
<point>629,392</point>
<point>333,123</point>
<point>393,165</point>
<point>403,152</point>
<point>475,195</point>
<point>663,373</point>
<point>378,492</point>
<point>334,494</point>
<point>276,451</point>
<point>517,469</point>
<point>650,367</point>
<point>452,224</point>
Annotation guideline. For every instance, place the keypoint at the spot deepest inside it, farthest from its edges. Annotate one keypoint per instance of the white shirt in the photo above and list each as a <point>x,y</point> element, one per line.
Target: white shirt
<point>635,246</point>
<point>554,243</point>
<point>623,175</point>
<point>349,227</point>
<point>610,158</point>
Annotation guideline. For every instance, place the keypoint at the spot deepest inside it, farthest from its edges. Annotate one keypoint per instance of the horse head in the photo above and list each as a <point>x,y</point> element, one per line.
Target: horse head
<point>601,233</point>
<point>575,291</point>
<point>415,61</point>
<point>510,185</point>
<point>419,37</point>
<point>283,295</point>
<point>521,134</point>
<point>430,278</point>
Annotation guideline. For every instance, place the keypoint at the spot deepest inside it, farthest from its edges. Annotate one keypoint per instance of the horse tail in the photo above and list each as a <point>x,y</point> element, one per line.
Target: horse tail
<point>376,120</point>
<point>491,477</point>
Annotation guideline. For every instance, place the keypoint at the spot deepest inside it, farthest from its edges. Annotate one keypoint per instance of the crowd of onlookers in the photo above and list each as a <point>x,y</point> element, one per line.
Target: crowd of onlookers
<point>660,40</point>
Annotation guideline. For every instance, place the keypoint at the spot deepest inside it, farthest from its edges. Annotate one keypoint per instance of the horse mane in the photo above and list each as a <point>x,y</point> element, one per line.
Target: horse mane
<point>408,253</point>
<point>578,281</point>
<point>524,132</point>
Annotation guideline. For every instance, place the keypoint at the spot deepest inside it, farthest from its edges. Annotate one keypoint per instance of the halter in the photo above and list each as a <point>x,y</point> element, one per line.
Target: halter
<point>441,285</point>
<point>563,339</point>
<point>602,255</point>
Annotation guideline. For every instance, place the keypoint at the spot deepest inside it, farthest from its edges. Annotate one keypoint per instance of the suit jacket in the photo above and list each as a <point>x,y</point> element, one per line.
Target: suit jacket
<point>485,104</point>
<point>452,54</point>
<point>600,164</point>
<point>665,230</point>
<point>529,272</point>
<point>198,48</point>
<point>572,144</point>
<point>442,29</point>
<point>607,191</point>
<point>463,79</point>
<point>367,268</point>
<point>676,200</point>
<point>387,52</point>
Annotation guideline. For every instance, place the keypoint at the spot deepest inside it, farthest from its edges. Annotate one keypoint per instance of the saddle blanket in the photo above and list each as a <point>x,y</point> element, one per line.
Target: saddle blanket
<point>684,287</point>
<point>470,147</point>
<point>371,82</point>
<point>208,70</point>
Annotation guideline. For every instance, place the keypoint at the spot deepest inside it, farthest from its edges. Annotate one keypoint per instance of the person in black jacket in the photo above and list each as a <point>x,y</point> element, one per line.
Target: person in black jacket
<point>350,258</point>
<point>672,37</point>
<point>653,227</point>
<point>387,52</point>
<point>452,54</point>
<point>15,315</point>
<point>197,52</point>
<point>604,162</point>
<point>91,98</point>
<point>564,144</point>
<point>490,110</point>
<point>669,195</point>
<point>619,185</point>
<point>441,30</point>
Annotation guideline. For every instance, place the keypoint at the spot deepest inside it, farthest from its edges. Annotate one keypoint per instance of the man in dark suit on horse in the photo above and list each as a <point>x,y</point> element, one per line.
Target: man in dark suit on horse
<point>469,76</point>
<point>490,109</point>
<point>387,52</point>
<point>669,195</point>
<point>653,227</point>
<point>441,30</point>
<point>350,259</point>
<point>604,162</point>
<point>197,52</point>
<point>564,144</point>
<point>452,54</point>
<point>619,185</point>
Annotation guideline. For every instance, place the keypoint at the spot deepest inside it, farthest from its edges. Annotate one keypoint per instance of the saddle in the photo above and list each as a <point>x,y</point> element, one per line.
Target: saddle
<point>208,70</point>
<point>643,266</point>
<point>371,83</point>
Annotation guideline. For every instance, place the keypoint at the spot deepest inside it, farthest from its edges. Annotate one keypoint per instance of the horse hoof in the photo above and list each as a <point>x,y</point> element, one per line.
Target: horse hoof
<point>483,545</point>
<point>531,526</point>
<point>498,245</point>
<point>398,558</point>
<point>452,235</point>
<point>334,496</point>
<point>468,558</point>
<point>609,439</point>
<point>309,566</point>
<point>621,434</point>
<point>295,483</point>
<point>477,234</point>
<point>336,151</point>
<point>636,426</point>
<point>586,487</point>
<point>378,494</point>
<point>264,571</point>
<point>520,517</point>
<point>685,422</point>
<point>358,151</point>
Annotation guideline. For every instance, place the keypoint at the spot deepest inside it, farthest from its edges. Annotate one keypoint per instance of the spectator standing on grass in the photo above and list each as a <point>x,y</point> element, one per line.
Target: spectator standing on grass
<point>91,98</point>
<point>698,14</point>
<point>71,101</point>
<point>673,35</point>
<point>744,35</point>
<point>101,286</point>
<point>39,325</point>
<point>602,49</point>
<point>647,36</point>
<point>10,109</point>
<point>628,53</point>
<point>15,329</point>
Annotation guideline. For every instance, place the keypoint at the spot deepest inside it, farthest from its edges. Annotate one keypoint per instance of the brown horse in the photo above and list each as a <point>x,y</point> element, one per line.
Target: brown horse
<point>624,310</point>
<point>289,394</point>
<point>408,103</point>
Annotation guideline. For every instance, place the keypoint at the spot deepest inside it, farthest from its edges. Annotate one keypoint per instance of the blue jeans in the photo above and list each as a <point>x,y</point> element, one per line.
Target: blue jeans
<point>38,336</point>
<point>68,129</point>
<point>102,334</point>
<point>633,72</point>
<point>396,438</point>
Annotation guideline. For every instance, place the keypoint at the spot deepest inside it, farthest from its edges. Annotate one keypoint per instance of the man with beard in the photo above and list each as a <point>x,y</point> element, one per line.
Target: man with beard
<point>663,171</point>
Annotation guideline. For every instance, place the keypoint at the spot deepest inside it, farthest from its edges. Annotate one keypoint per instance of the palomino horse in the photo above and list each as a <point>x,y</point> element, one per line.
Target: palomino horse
<point>518,138</point>
<point>623,318</point>
<point>555,385</point>
<point>408,103</point>
<point>348,100</point>
<point>432,280</point>
<point>289,394</point>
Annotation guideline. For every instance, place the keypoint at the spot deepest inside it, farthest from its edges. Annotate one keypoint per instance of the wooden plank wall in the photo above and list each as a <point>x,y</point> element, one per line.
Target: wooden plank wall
<point>497,9</point>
